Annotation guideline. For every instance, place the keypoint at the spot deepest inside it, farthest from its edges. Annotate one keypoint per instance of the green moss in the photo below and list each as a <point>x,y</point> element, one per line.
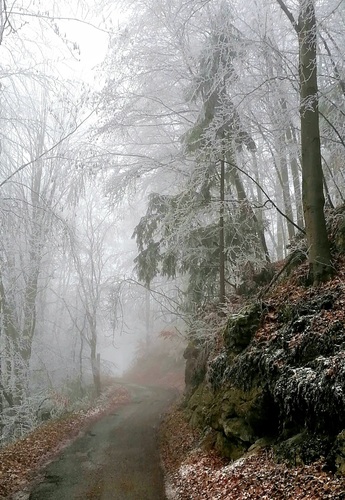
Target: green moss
<point>259,445</point>
<point>286,313</point>
<point>340,236</point>
<point>237,416</point>
<point>238,429</point>
<point>303,448</point>
<point>241,327</point>
<point>229,449</point>
<point>196,365</point>
<point>198,406</point>
<point>340,454</point>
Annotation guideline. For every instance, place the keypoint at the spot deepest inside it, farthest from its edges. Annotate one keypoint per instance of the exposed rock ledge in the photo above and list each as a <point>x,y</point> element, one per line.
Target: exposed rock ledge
<point>279,379</point>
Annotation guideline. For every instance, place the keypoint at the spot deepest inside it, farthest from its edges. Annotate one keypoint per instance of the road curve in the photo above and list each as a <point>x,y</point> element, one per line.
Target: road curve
<point>118,458</point>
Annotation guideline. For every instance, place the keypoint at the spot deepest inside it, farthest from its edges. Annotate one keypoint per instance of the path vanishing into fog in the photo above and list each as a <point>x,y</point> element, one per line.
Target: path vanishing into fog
<point>118,458</point>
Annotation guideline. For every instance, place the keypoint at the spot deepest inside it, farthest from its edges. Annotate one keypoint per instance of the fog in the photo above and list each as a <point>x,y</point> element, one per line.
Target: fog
<point>73,311</point>
<point>149,168</point>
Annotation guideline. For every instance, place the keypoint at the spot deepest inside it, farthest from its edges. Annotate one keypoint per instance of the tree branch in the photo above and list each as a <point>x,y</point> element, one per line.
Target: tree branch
<point>289,15</point>
<point>268,198</point>
<point>334,64</point>
<point>47,151</point>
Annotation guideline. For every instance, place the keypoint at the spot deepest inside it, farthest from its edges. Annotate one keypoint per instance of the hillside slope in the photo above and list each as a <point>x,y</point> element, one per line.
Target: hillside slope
<point>268,386</point>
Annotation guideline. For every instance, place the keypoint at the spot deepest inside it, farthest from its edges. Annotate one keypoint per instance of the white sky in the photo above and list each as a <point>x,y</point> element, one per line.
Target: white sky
<point>93,45</point>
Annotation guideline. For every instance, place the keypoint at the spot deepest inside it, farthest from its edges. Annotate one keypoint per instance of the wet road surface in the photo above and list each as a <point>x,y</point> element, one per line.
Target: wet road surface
<point>118,458</point>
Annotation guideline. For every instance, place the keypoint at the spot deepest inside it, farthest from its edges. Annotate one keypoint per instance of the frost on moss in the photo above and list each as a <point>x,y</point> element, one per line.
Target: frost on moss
<point>304,375</point>
<point>288,386</point>
<point>216,370</point>
<point>241,327</point>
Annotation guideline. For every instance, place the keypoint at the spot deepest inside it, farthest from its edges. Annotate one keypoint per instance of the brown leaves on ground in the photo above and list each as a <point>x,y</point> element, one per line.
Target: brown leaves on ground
<point>19,460</point>
<point>177,439</point>
<point>290,292</point>
<point>196,474</point>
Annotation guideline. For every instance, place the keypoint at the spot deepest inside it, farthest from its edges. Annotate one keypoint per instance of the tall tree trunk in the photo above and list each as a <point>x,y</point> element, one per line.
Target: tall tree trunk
<point>281,243</point>
<point>312,176</point>
<point>258,190</point>
<point>291,141</point>
<point>294,167</point>
<point>285,184</point>
<point>312,180</point>
<point>221,235</point>
<point>95,364</point>
<point>148,317</point>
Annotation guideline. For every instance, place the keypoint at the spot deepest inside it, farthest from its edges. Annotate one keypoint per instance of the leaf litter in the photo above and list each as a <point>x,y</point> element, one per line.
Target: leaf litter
<point>194,472</point>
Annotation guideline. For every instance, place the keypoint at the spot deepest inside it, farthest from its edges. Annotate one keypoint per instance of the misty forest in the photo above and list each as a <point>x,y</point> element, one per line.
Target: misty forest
<point>172,214</point>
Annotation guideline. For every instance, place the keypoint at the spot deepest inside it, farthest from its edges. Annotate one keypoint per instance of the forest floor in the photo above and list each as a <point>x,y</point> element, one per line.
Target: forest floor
<point>197,473</point>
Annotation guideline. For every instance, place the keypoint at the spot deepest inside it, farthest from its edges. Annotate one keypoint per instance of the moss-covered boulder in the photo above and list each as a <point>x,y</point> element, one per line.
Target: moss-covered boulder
<point>340,236</point>
<point>240,417</point>
<point>303,448</point>
<point>339,454</point>
<point>199,403</point>
<point>278,377</point>
<point>216,370</point>
<point>336,228</point>
<point>235,402</point>
<point>228,448</point>
<point>196,356</point>
<point>241,327</point>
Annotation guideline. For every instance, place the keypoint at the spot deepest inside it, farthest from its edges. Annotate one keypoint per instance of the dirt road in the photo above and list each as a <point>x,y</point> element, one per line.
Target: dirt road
<point>116,459</point>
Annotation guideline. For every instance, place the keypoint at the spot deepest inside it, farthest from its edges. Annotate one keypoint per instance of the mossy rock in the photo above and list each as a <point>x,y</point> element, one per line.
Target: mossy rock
<point>236,402</point>
<point>228,448</point>
<point>198,406</point>
<point>290,449</point>
<point>240,416</point>
<point>196,365</point>
<point>241,328</point>
<point>260,444</point>
<point>303,448</point>
<point>297,257</point>
<point>340,454</point>
<point>340,236</point>
<point>238,430</point>
<point>216,370</point>
<point>202,396</point>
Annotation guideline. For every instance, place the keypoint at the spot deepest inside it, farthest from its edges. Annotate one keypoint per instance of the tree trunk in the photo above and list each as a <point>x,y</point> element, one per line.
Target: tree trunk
<point>148,317</point>
<point>95,366</point>
<point>280,237</point>
<point>292,142</point>
<point>312,177</point>
<point>221,235</point>
<point>258,190</point>
<point>285,184</point>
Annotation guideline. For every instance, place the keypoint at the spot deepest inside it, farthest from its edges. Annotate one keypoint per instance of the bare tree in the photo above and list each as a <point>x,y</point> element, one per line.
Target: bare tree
<point>92,253</point>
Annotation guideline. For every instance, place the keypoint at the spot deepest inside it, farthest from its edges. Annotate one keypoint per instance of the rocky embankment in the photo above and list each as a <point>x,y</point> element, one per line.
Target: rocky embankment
<point>275,376</point>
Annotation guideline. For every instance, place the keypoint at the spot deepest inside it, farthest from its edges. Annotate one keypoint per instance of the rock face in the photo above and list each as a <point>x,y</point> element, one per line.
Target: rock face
<point>280,383</point>
<point>196,355</point>
<point>241,328</point>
